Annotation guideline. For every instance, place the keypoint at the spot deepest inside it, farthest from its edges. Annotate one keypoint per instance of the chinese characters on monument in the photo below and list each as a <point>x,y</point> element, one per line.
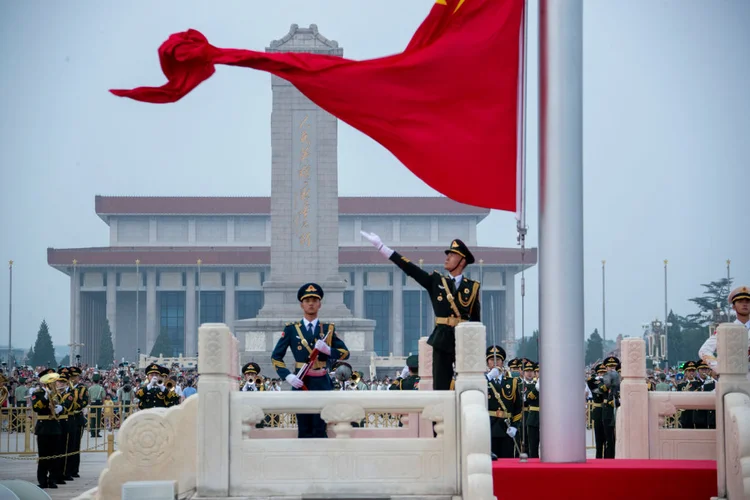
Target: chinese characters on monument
<point>304,182</point>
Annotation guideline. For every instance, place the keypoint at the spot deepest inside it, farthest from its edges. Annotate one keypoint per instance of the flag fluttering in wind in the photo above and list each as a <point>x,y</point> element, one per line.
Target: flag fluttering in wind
<point>447,106</point>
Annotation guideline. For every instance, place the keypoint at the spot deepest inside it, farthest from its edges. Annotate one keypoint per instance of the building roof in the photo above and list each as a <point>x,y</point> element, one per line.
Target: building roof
<point>62,258</point>
<point>254,205</point>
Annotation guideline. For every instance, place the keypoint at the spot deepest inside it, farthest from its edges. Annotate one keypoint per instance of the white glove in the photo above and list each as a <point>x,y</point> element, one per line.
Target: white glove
<point>323,347</point>
<point>58,409</point>
<point>150,385</point>
<point>405,372</point>
<point>512,431</point>
<point>46,394</point>
<point>377,243</point>
<point>494,374</point>
<point>294,381</point>
<point>154,381</point>
<point>247,386</point>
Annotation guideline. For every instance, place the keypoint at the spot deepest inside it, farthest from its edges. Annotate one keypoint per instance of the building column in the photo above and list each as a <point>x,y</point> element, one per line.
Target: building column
<point>359,293</point>
<point>229,298</point>
<point>397,319</point>
<point>112,307</point>
<point>509,335</point>
<point>75,313</point>
<point>191,328</point>
<point>151,330</point>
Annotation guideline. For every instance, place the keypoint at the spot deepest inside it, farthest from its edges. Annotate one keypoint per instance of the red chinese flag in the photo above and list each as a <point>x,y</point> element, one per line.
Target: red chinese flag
<point>447,106</point>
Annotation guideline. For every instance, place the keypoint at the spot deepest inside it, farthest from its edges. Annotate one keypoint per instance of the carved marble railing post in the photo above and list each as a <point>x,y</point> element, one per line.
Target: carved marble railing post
<point>731,351</point>
<point>474,422</point>
<point>217,366</point>
<point>425,365</point>
<point>632,430</point>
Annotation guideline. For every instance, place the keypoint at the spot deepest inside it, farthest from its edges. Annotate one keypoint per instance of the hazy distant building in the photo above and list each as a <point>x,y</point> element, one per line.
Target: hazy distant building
<point>231,237</point>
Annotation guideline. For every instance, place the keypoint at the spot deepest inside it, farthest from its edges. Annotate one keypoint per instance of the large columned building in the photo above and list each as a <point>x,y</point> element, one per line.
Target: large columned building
<point>176,262</point>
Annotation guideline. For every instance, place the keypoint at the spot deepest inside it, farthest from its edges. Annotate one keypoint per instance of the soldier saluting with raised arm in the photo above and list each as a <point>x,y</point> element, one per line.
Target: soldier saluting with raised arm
<point>454,298</point>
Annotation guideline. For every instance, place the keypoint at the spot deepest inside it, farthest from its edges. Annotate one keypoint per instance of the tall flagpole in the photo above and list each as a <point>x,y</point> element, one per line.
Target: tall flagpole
<point>604,303</point>
<point>561,228</point>
<point>729,274</point>
<point>666,314</point>
<point>137,311</point>
<point>199,291</point>
<point>10,319</point>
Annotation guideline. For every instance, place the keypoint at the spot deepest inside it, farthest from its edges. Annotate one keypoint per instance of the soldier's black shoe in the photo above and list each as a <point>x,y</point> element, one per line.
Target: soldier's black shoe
<point>42,485</point>
<point>60,481</point>
<point>52,485</point>
<point>75,475</point>
<point>68,477</point>
<point>494,457</point>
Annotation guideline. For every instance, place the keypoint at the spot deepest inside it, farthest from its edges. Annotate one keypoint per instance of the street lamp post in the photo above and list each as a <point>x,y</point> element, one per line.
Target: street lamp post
<point>656,337</point>
<point>421,311</point>
<point>199,291</point>
<point>10,318</point>
<point>666,316</point>
<point>137,306</point>
<point>604,305</point>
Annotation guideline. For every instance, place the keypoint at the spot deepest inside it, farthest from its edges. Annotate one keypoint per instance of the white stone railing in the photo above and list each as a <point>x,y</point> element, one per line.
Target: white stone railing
<point>640,430</point>
<point>211,447</point>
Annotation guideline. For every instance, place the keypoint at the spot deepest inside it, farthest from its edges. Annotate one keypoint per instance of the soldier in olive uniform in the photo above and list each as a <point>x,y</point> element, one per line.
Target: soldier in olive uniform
<point>530,410</point>
<point>455,298</point>
<point>153,393</point>
<point>596,407</point>
<point>691,383</point>
<point>47,433</point>
<point>302,337</point>
<point>609,386</point>
<point>96,399</point>
<point>505,405</point>
<point>411,381</point>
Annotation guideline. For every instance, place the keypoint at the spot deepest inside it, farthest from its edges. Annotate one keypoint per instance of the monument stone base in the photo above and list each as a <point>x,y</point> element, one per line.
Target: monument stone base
<point>258,336</point>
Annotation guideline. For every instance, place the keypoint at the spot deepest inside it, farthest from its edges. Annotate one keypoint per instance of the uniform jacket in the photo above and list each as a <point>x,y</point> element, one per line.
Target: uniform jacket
<point>42,407</point>
<point>151,398</point>
<point>466,299</point>
<point>531,403</point>
<point>410,383</point>
<point>504,395</point>
<point>296,338</point>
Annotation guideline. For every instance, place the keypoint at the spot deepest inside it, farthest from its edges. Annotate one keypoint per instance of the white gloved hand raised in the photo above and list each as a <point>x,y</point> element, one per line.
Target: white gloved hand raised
<point>377,243</point>
<point>405,372</point>
<point>494,374</point>
<point>512,431</point>
<point>294,381</point>
<point>323,347</point>
<point>58,409</point>
<point>247,386</point>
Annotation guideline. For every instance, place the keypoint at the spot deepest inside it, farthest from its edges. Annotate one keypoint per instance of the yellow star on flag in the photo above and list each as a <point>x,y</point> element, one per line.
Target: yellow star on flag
<point>445,2</point>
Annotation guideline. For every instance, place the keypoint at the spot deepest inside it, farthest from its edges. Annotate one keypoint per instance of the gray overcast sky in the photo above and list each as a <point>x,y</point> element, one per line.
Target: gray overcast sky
<point>667,121</point>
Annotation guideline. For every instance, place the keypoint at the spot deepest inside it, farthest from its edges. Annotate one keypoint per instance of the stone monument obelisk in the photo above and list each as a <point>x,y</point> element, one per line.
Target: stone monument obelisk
<point>304,217</point>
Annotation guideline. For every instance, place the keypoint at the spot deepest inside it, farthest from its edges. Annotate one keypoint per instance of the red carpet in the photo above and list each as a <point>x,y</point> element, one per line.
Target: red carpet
<point>608,479</point>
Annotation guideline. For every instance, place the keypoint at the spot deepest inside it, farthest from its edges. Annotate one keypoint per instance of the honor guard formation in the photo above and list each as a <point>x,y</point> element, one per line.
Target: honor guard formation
<point>65,405</point>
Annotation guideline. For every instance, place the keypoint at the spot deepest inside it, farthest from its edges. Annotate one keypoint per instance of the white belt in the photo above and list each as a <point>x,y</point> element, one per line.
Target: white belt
<point>316,373</point>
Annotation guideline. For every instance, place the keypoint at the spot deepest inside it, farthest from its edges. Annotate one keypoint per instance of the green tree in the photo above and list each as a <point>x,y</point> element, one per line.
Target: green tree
<point>714,297</point>
<point>106,350</point>
<point>594,348</point>
<point>44,351</point>
<point>529,347</point>
<point>30,356</point>
<point>65,361</point>
<point>162,346</point>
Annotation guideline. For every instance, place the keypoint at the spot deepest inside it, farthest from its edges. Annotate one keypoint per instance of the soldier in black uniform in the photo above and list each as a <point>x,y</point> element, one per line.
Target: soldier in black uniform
<point>705,419</point>
<point>69,425</point>
<point>505,405</point>
<point>252,371</point>
<point>596,407</point>
<point>691,383</point>
<point>47,431</point>
<point>530,410</point>
<point>80,402</point>
<point>609,386</point>
<point>171,397</point>
<point>153,393</point>
<point>455,298</point>
<point>411,381</point>
<point>302,337</point>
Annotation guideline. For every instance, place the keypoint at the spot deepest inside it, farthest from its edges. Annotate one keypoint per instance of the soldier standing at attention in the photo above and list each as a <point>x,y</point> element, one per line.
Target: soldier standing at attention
<point>609,386</point>
<point>302,337</point>
<point>454,298</point>
<point>505,404</point>
<point>531,410</point>
<point>691,383</point>
<point>81,401</point>
<point>96,398</point>
<point>596,407</point>
<point>409,380</point>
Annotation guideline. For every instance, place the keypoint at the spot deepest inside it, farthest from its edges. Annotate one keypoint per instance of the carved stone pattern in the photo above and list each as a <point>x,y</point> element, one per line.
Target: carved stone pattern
<point>634,355</point>
<point>425,360</point>
<point>733,448</point>
<point>470,350</point>
<point>210,354</point>
<point>148,441</point>
<point>666,408</point>
<point>434,413</point>
<point>355,341</point>
<point>255,341</point>
<point>251,415</point>
<point>342,413</point>
<point>735,339</point>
